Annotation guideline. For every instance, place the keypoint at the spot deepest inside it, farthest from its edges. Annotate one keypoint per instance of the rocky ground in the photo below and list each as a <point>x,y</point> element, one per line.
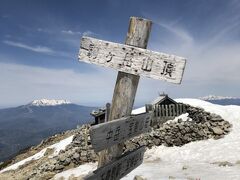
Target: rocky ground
<point>34,149</point>
<point>200,125</point>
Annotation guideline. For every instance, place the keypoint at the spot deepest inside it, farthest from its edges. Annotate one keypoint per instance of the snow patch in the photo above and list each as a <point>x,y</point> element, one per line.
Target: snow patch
<point>48,102</point>
<point>22,162</point>
<point>79,171</point>
<point>57,148</point>
<point>184,117</point>
<point>60,146</point>
<point>139,110</point>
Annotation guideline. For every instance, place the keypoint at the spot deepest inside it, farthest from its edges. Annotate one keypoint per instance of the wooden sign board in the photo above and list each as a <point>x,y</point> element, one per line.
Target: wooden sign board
<point>107,134</point>
<point>132,60</point>
<point>119,168</point>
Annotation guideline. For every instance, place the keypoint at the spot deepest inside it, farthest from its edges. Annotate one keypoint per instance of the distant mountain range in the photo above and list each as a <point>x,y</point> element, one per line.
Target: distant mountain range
<point>222,100</point>
<point>27,125</point>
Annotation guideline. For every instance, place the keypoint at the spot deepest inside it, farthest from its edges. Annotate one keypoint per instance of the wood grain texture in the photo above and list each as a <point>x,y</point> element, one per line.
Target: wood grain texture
<point>180,108</point>
<point>126,86</point>
<point>132,60</point>
<point>107,134</point>
<point>177,110</point>
<point>108,106</point>
<point>136,36</point>
<point>118,168</point>
<point>167,112</point>
<point>184,108</point>
<point>174,110</point>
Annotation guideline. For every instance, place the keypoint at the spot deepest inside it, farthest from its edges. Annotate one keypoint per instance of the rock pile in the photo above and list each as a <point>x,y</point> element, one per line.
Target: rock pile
<point>199,126</point>
<point>78,152</point>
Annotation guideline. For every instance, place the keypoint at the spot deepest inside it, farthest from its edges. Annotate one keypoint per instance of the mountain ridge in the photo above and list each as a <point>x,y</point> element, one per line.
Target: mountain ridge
<point>48,102</point>
<point>215,97</point>
<point>27,125</point>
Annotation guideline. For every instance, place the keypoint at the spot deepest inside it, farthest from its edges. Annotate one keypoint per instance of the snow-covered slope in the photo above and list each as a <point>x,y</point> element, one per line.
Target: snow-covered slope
<point>57,147</point>
<point>48,102</point>
<point>196,160</point>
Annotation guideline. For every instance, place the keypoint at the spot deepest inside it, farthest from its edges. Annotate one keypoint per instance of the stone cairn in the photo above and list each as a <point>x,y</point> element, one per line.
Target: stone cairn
<point>200,125</point>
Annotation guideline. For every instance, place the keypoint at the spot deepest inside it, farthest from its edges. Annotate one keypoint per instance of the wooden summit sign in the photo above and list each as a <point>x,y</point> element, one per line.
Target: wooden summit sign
<point>107,134</point>
<point>132,60</point>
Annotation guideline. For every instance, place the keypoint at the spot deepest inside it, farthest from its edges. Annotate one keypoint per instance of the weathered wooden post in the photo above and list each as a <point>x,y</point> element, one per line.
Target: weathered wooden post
<point>131,60</point>
<point>126,84</point>
<point>108,105</point>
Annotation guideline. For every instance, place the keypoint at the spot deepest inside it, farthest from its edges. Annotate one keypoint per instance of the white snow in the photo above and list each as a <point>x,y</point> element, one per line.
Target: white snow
<point>139,110</point>
<point>22,162</point>
<point>49,102</point>
<point>162,162</point>
<point>81,171</point>
<point>184,117</point>
<point>61,145</point>
<point>213,97</point>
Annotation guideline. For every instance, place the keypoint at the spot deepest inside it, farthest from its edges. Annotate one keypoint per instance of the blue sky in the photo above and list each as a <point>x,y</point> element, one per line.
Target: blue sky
<point>39,43</point>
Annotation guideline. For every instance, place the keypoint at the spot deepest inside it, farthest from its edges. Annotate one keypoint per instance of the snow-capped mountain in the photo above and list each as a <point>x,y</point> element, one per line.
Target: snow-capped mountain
<point>26,125</point>
<point>222,100</point>
<point>214,97</point>
<point>48,102</point>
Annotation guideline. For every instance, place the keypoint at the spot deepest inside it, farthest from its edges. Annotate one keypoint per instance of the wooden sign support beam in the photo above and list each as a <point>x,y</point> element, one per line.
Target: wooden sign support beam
<point>126,85</point>
<point>120,167</point>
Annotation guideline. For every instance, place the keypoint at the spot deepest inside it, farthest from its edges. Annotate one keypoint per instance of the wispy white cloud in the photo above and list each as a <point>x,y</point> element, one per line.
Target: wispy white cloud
<point>39,49</point>
<point>179,32</point>
<point>220,35</point>
<point>206,57</point>
<point>43,30</point>
<point>70,32</point>
<point>89,33</point>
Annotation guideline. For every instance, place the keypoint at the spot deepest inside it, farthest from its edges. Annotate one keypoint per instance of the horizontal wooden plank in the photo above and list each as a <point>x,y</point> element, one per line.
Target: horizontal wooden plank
<point>132,60</point>
<point>119,168</point>
<point>107,134</point>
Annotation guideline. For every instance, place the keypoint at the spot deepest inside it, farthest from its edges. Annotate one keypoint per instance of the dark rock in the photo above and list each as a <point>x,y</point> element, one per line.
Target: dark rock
<point>180,120</point>
<point>67,162</point>
<point>156,141</point>
<point>139,178</point>
<point>59,167</point>
<point>223,163</point>
<point>217,130</point>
